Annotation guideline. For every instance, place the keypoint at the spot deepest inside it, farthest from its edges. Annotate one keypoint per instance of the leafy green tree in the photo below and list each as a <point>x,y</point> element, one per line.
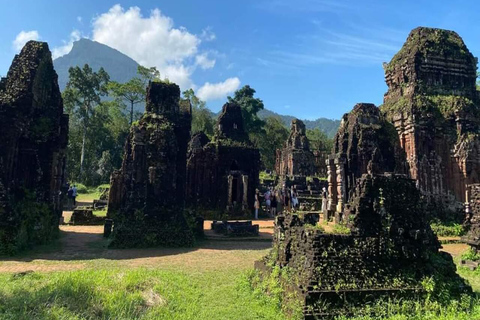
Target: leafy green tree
<point>274,136</point>
<point>250,108</point>
<point>148,74</point>
<point>134,91</point>
<point>105,139</point>
<point>201,117</point>
<point>319,140</point>
<point>83,93</point>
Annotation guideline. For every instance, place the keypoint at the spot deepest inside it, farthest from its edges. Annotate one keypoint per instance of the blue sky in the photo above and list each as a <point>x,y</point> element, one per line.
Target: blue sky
<point>307,58</point>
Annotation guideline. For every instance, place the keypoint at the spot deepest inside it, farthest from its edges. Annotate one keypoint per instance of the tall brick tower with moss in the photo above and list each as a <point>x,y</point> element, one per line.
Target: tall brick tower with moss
<point>432,100</point>
<point>34,136</point>
<point>147,194</point>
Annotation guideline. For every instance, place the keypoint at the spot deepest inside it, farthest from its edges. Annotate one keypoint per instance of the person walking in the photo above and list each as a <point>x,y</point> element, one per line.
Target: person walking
<point>294,199</point>
<point>256,205</point>
<point>70,198</point>
<point>286,201</point>
<point>268,202</point>
<point>274,205</point>
<point>74,195</point>
<point>324,199</point>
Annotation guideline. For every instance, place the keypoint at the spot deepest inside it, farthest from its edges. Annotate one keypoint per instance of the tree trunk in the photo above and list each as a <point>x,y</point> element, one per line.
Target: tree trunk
<point>82,156</point>
<point>131,112</point>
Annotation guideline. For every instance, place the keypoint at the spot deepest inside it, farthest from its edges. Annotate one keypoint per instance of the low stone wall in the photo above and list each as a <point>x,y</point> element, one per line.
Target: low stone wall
<point>389,258</point>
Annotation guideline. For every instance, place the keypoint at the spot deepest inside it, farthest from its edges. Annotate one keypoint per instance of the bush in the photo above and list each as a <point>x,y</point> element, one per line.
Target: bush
<point>471,255</point>
<point>447,230</point>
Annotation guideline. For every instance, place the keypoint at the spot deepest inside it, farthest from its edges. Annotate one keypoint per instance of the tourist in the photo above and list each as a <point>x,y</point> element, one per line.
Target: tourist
<point>324,199</point>
<point>70,197</point>
<point>256,205</point>
<point>267,201</point>
<point>74,195</point>
<point>286,201</point>
<point>294,198</point>
<point>274,205</point>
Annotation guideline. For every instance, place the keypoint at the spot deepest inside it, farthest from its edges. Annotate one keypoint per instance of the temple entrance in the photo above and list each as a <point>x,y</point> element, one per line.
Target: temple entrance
<point>234,196</point>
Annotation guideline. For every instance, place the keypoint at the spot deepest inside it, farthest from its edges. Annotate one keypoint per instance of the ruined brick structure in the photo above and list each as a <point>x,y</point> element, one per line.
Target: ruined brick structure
<point>390,250</point>
<point>433,103</point>
<point>364,143</point>
<point>146,199</point>
<point>34,134</point>
<point>223,173</point>
<point>295,159</point>
<point>472,221</point>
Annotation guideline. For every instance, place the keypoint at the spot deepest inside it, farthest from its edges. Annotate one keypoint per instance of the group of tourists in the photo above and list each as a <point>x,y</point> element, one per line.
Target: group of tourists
<point>277,200</point>
<point>284,199</point>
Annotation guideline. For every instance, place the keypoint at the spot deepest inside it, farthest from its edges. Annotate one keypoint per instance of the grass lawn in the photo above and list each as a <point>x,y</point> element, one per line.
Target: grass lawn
<point>78,278</point>
<point>140,293</point>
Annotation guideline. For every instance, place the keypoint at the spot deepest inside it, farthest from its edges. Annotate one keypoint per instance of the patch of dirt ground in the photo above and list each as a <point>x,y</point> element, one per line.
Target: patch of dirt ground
<point>84,247</point>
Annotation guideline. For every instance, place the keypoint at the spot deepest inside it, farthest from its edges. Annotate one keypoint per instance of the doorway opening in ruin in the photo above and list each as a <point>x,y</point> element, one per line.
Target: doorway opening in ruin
<point>234,190</point>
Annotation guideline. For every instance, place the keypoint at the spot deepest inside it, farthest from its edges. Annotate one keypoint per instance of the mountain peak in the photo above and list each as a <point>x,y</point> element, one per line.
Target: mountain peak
<point>119,66</point>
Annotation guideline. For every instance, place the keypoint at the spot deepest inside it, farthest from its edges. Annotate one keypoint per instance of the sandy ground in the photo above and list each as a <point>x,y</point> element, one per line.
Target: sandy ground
<point>84,247</point>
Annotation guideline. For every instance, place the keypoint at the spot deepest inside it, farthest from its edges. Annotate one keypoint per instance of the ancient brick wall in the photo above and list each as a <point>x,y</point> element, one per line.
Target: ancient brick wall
<point>389,250</point>
<point>472,219</point>
<point>224,170</point>
<point>433,103</point>
<point>296,159</point>
<point>34,134</point>
<point>146,199</point>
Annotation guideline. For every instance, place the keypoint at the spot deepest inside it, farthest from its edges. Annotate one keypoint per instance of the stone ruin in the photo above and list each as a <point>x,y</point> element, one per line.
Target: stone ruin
<point>147,195</point>
<point>34,134</point>
<point>296,162</point>
<point>472,219</point>
<point>422,144</point>
<point>222,174</point>
<point>364,143</point>
<point>391,249</point>
<point>433,103</point>
<point>295,159</point>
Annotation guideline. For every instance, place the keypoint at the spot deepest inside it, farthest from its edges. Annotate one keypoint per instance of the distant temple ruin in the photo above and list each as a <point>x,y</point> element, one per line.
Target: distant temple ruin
<point>146,199</point>
<point>222,174</point>
<point>34,134</point>
<point>295,158</point>
<point>364,143</point>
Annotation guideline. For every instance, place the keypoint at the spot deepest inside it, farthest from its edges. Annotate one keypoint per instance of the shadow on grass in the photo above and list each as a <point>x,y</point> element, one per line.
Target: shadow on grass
<point>77,246</point>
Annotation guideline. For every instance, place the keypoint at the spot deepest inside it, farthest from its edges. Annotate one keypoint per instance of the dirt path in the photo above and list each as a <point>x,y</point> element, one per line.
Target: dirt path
<point>84,247</point>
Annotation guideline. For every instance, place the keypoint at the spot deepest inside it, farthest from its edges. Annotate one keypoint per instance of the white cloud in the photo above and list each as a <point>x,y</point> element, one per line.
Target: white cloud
<point>207,34</point>
<point>67,45</point>
<point>215,91</point>
<point>79,19</point>
<point>151,41</point>
<point>204,62</point>
<point>23,37</point>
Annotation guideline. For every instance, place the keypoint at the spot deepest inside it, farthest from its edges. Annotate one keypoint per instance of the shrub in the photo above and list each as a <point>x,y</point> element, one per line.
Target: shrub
<point>447,230</point>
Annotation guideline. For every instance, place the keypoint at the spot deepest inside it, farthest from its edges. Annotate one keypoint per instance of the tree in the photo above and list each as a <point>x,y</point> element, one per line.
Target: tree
<point>148,74</point>
<point>250,108</point>
<point>83,93</point>
<point>319,140</point>
<point>134,91</point>
<point>201,117</point>
<point>274,136</point>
